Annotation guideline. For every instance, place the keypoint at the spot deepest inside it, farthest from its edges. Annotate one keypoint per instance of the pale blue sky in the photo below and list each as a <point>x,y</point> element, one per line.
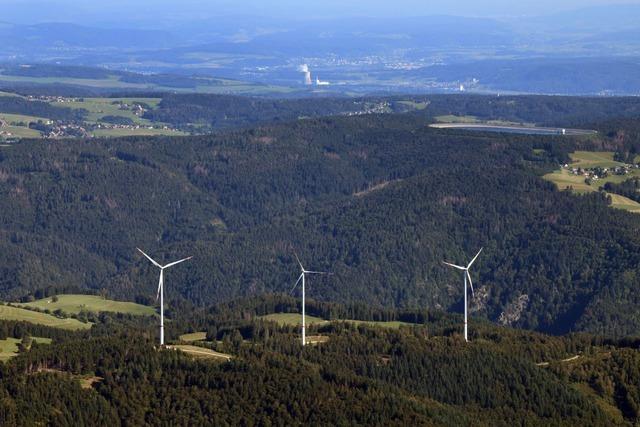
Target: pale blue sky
<point>28,11</point>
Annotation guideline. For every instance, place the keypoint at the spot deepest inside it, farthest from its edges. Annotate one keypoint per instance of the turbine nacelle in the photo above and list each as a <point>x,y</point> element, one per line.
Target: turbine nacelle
<point>162,267</point>
<point>466,269</point>
<point>303,272</point>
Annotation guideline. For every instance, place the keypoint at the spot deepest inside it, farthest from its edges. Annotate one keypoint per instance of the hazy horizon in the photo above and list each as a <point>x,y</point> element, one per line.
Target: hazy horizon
<point>358,46</point>
<point>164,12</point>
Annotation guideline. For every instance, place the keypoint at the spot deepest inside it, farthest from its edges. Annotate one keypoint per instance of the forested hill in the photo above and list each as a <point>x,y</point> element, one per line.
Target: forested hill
<point>417,374</point>
<point>224,111</point>
<point>379,200</point>
<point>221,111</point>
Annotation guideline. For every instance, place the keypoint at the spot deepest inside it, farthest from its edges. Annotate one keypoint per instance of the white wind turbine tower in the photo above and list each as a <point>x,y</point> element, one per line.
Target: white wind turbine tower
<point>161,289</point>
<point>466,276</point>
<point>303,273</point>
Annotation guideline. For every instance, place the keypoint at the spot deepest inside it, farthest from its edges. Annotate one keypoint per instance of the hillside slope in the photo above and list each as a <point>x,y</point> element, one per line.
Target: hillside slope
<point>420,375</point>
<point>378,200</point>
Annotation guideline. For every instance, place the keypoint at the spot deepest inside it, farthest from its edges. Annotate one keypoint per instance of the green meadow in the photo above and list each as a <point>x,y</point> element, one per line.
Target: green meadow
<point>296,319</point>
<point>22,314</point>
<point>565,180</point>
<point>74,304</point>
<point>9,346</point>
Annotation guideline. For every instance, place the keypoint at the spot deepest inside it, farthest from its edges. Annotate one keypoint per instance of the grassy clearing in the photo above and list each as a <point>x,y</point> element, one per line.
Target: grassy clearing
<point>17,118</point>
<point>9,346</point>
<point>19,132</point>
<point>292,319</point>
<point>135,132</point>
<point>201,352</point>
<point>87,381</point>
<point>296,319</point>
<point>73,304</point>
<point>624,203</point>
<point>593,159</point>
<point>415,105</point>
<point>392,325</point>
<point>22,314</point>
<point>565,180</point>
<point>195,336</point>
<point>450,118</point>
<point>12,129</point>
<point>100,107</point>
<point>317,339</point>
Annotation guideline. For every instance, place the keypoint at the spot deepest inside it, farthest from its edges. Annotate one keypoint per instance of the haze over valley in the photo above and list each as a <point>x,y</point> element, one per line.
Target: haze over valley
<point>569,50</point>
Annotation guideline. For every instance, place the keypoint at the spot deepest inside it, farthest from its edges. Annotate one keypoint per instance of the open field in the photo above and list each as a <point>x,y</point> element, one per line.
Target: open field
<point>566,180</point>
<point>135,132</point>
<point>392,325</point>
<point>17,118</point>
<point>12,130</point>
<point>73,304</point>
<point>22,314</point>
<point>624,203</point>
<point>296,319</point>
<point>201,352</point>
<point>9,346</point>
<point>415,105</point>
<point>19,132</point>
<point>594,159</point>
<point>453,119</point>
<point>194,336</point>
<point>292,319</point>
<point>317,339</point>
<point>203,85</point>
<point>98,108</point>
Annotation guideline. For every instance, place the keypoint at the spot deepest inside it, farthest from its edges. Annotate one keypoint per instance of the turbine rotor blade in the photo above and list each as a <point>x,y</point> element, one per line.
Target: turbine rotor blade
<point>470,284</point>
<point>319,272</point>
<point>149,258</point>
<point>298,259</point>
<point>454,266</point>
<point>159,285</point>
<point>296,285</point>
<point>474,258</point>
<point>177,262</point>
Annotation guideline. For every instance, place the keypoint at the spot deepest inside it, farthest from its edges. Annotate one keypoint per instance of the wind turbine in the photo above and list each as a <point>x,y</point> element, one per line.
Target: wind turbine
<point>303,273</point>
<point>466,276</point>
<point>161,289</point>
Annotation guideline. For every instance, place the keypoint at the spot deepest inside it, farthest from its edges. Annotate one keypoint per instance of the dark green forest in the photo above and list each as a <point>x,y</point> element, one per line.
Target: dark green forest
<point>223,111</point>
<point>418,375</point>
<point>379,200</point>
